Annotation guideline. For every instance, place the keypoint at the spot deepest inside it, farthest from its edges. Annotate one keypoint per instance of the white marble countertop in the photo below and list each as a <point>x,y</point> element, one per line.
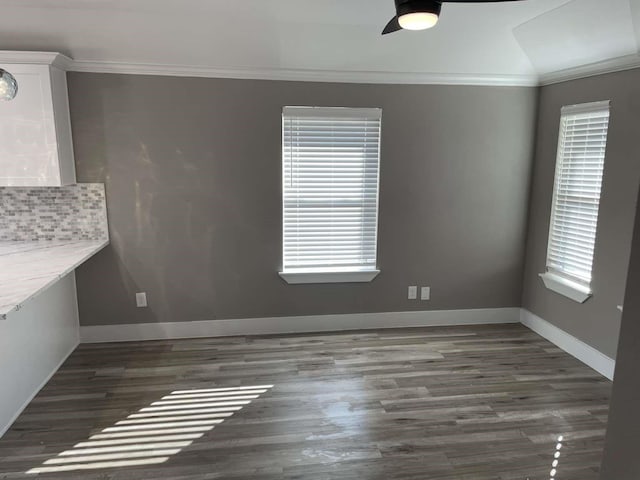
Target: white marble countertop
<point>28,268</point>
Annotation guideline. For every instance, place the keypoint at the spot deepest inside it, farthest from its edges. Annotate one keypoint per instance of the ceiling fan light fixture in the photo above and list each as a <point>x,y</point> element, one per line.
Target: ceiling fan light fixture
<point>418,20</point>
<point>422,14</point>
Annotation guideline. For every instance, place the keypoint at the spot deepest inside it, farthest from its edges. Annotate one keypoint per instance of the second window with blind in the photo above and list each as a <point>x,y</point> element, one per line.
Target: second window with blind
<point>330,182</point>
<point>576,199</point>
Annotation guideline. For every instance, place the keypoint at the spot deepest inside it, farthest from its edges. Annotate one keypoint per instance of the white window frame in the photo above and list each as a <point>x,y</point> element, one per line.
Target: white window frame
<point>330,274</point>
<point>573,287</point>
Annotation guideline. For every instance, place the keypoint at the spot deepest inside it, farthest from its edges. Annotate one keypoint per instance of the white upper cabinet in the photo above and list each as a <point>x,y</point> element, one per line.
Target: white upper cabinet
<point>36,148</point>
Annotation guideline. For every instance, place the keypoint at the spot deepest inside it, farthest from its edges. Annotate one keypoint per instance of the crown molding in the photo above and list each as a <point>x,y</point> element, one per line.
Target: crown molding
<point>618,64</point>
<point>63,62</point>
<point>305,75</point>
<point>36,58</point>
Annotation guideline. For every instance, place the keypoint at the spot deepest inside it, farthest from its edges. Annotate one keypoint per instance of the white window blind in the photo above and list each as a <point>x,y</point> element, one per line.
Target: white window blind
<point>578,181</point>
<point>330,160</point>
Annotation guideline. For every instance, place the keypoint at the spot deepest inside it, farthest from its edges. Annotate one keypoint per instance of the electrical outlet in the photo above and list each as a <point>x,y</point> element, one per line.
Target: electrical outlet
<point>425,293</point>
<point>412,292</point>
<point>141,299</point>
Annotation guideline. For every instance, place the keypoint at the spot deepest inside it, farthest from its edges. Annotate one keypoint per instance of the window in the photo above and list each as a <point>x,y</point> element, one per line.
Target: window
<point>576,199</point>
<point>330,165</point>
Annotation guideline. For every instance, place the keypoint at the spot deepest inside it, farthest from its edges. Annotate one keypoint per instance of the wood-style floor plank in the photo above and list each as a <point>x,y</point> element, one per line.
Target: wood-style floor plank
<point>445,403</point>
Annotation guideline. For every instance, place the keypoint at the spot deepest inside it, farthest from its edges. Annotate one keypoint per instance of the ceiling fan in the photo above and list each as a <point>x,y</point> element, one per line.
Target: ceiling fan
<point>422,14</point>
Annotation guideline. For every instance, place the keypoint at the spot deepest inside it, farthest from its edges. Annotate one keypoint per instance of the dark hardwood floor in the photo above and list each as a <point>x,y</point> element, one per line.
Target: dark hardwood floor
<point>481,403</point>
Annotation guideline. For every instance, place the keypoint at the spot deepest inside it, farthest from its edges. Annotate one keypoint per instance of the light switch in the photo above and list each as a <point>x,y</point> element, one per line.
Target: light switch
<point>141,299</point>
<point>413,293</point>
<point>425,293</point>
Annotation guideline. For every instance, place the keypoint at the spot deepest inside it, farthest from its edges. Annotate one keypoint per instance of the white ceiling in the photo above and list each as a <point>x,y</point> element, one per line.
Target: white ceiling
<point>511,42</point>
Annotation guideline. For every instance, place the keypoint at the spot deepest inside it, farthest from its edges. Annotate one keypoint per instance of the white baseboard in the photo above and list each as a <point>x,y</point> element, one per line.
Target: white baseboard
<point>358,321</point>
<point>299,324</point>
<point>570,344</point>
<point>4,428</point>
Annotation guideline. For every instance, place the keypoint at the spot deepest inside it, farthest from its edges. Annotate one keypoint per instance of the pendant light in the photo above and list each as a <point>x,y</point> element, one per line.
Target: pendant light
<point>8,86</point>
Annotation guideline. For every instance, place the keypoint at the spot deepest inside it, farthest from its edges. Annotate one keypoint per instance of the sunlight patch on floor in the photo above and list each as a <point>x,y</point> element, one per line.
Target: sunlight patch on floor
<point>556,459</point>
<point>155,433</point>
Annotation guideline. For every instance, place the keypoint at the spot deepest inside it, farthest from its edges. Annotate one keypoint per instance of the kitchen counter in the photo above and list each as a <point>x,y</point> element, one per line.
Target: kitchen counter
<point>28,268</point>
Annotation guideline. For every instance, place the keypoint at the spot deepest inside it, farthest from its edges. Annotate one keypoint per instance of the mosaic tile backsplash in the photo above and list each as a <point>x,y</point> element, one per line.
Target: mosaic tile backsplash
<point>75,212</point>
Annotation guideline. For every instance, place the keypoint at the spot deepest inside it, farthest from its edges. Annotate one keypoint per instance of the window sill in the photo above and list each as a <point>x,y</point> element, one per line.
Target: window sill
<point>356,276</point>
<point>574,291</point>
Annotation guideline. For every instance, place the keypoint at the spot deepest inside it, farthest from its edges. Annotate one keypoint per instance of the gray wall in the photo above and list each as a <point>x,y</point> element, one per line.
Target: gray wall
<point>621,460</point>
<point>597,322</point>
<point>193,177</point>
